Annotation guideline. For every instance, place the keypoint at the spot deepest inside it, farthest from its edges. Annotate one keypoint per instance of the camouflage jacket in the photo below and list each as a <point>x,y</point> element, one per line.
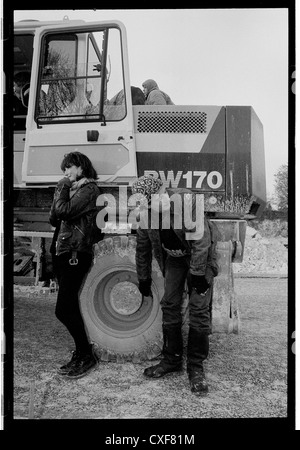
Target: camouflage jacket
<point>203,257</point>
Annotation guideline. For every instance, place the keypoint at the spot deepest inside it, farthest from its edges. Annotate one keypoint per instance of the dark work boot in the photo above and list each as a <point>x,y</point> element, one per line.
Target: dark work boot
<point>198,381</point>
<point>172,354</point>
<point>197,352</point>
<point>84,363</point>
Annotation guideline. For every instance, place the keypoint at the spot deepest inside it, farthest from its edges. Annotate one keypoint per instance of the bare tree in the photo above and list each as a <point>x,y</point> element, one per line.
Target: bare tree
<point>60,92</point>
<point>281,187</point>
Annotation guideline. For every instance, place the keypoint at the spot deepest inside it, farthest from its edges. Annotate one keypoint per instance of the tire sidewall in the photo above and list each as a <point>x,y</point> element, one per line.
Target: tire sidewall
<point>108,268</point>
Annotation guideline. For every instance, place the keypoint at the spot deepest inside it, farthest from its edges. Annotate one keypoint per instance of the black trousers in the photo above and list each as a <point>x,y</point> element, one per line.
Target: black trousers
<point>67,306</point>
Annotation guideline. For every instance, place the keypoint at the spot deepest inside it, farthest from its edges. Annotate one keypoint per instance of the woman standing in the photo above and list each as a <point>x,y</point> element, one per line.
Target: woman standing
<point>74,207</point>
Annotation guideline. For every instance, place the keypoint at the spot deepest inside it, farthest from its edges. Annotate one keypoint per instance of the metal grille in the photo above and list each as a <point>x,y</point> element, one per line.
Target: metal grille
<point>171,122</point>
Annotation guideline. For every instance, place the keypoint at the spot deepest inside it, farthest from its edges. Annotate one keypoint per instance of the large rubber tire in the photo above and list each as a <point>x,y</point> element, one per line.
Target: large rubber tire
<point>118,334</point>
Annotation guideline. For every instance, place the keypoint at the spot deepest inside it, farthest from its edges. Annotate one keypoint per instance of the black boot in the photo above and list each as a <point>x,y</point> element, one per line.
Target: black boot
<point>172,354</point>
<point>197,352</point>
<point>84,363</point>
<point>67,367</point>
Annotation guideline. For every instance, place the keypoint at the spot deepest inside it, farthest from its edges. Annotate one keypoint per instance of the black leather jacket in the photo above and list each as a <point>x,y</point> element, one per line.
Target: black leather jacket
<point>75,214</point>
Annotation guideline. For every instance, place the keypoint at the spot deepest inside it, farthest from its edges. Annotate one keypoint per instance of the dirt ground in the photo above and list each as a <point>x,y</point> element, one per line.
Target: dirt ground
<point>246,372</point>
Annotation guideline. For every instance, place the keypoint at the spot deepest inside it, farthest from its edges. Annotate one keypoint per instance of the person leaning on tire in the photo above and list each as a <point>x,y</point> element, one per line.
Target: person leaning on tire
<point>179,259</point>
<point>73,210</point>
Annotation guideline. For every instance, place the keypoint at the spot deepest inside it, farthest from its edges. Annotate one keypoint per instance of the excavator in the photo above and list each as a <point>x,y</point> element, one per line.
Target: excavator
<point>74,70</point>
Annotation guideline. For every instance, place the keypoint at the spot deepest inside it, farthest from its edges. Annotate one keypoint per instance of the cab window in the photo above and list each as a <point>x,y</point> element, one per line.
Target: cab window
<point>81,78</point>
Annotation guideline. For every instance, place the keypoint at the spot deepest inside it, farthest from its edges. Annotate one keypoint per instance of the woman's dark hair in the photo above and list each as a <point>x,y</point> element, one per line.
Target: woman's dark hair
<point>79,160</point>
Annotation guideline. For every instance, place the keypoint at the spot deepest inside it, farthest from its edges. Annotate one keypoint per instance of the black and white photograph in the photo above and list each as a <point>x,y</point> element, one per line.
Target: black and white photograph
<point>151,152</point>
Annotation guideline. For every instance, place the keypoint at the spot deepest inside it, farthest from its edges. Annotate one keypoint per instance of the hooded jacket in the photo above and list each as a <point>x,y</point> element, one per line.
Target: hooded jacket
<point>74,208</point>
<point>155,96</point>
<point>203,257</point>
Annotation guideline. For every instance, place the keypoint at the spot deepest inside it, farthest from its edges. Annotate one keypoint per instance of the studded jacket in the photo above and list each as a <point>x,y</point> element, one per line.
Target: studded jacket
<point>73,210</point>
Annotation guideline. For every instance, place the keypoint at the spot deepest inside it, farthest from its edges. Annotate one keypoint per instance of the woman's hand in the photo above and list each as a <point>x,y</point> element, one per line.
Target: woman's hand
<point>65,180</point>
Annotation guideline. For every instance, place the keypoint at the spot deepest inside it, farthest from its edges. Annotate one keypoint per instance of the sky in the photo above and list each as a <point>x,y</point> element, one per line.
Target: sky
<point>209,57</point>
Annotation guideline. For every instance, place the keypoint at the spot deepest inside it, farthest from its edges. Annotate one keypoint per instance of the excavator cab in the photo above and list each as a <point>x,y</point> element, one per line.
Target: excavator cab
<point>80,99</point>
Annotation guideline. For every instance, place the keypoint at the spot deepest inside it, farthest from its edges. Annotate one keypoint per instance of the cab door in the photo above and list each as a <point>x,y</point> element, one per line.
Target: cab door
<point>80,100</point>
<point>23,49</point>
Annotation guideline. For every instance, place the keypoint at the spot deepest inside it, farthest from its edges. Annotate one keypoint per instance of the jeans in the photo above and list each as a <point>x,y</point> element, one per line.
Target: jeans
<point>67,306</point>
<point>177,271</point>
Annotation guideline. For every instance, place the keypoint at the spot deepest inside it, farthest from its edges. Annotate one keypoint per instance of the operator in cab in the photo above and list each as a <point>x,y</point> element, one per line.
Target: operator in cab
<point>153,95</point>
